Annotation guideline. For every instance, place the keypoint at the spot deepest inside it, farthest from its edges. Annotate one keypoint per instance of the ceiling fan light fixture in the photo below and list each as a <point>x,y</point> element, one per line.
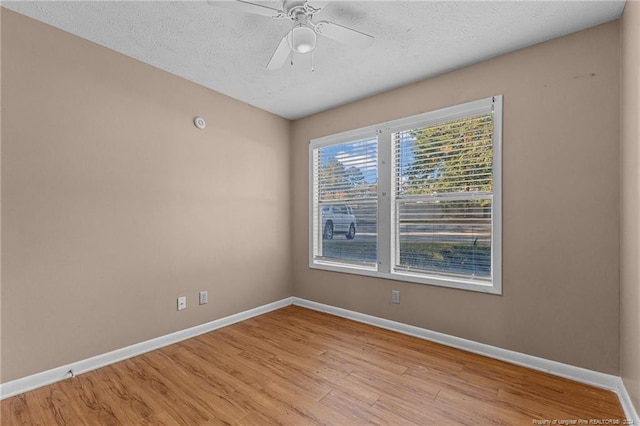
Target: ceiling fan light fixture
<point>302,39</point>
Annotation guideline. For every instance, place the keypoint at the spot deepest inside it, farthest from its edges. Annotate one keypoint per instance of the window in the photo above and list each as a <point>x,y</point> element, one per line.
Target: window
<point>417,199</point>
<point>345,203</point>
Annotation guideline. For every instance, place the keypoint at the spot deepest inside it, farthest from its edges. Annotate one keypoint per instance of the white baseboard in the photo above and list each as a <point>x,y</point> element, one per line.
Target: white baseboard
<point>57,374</point>
<point>625,400</point>
<point>582,375</point>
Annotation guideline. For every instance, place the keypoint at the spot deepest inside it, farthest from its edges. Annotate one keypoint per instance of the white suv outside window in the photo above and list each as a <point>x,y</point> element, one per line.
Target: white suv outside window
<point>338,220</point>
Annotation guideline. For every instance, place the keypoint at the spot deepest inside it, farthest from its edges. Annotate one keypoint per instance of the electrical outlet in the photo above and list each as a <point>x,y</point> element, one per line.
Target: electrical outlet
<point>203,297</point>
<point>182,303</point>
<point>395,296</point>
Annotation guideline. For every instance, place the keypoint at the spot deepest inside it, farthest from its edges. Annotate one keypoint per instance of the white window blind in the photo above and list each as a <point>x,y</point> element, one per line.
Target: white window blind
<point>443,191</point>
<point>346,202</point>
<point>417,199</point>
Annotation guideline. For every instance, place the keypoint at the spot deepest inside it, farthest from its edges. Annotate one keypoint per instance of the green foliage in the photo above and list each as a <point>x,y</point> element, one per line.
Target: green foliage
<point>338,182</point>
<point>462,257</point>
<point>451,157</point>
<point>333,182</point>
<point>456,156</point>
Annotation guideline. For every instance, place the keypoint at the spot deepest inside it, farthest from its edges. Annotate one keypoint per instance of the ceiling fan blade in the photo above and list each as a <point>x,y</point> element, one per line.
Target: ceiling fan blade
<point>248,7</point>
<point>344,35</point>
<point>281,54</point>
<point>317,4</point>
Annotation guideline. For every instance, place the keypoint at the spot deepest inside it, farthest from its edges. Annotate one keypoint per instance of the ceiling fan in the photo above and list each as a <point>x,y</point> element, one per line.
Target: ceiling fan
<point>302,37</point>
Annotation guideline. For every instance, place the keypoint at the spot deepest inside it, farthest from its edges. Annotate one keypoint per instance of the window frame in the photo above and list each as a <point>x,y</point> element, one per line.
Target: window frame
<point>385,224</point>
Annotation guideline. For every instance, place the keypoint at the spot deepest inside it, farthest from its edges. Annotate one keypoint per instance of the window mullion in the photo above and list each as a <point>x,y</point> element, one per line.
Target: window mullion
<point>385,182</point>
<point>315,243</point>
<point>496,225</point>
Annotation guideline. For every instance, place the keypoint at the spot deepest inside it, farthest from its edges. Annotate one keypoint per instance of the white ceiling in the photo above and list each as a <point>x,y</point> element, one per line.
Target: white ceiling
<point>227,50</point>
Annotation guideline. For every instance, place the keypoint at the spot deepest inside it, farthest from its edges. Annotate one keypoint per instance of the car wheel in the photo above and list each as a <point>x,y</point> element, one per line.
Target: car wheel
<point>352,232</point>
<point>328,230</point>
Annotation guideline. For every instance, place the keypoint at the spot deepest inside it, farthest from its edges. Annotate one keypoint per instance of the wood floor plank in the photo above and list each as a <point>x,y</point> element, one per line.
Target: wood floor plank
<point>295,366</point>
<point>242,384</point>
<point>422,413</point>
<point>191,401</point>
<point>471,410</point>
<point>455,381</point>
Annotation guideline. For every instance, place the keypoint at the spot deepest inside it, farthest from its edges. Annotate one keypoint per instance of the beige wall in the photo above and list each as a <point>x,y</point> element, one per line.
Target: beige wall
<point>0,196</point>
<point>561,157</point>
<point>630,198</point>
<point>114,204</point>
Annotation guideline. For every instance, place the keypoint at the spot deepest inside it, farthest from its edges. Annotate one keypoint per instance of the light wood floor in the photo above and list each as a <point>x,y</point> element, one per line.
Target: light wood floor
<point>297,366</point>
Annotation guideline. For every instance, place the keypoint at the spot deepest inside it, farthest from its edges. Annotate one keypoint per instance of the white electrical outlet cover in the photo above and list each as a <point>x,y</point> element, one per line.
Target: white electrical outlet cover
<point>182,303</point>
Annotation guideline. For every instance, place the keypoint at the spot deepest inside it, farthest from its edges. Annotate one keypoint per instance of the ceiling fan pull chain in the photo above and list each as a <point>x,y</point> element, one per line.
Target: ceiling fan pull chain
<point>313,68</point>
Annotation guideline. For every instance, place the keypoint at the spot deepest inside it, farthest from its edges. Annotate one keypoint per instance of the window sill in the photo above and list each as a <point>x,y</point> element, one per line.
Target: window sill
<point>469,285</point>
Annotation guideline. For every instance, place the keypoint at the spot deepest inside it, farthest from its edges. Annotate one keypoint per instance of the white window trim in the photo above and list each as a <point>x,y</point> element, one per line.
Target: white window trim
<point>384,132</point>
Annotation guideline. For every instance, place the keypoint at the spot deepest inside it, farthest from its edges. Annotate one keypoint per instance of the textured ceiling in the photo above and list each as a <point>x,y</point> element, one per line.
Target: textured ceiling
<point>227,50</point>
